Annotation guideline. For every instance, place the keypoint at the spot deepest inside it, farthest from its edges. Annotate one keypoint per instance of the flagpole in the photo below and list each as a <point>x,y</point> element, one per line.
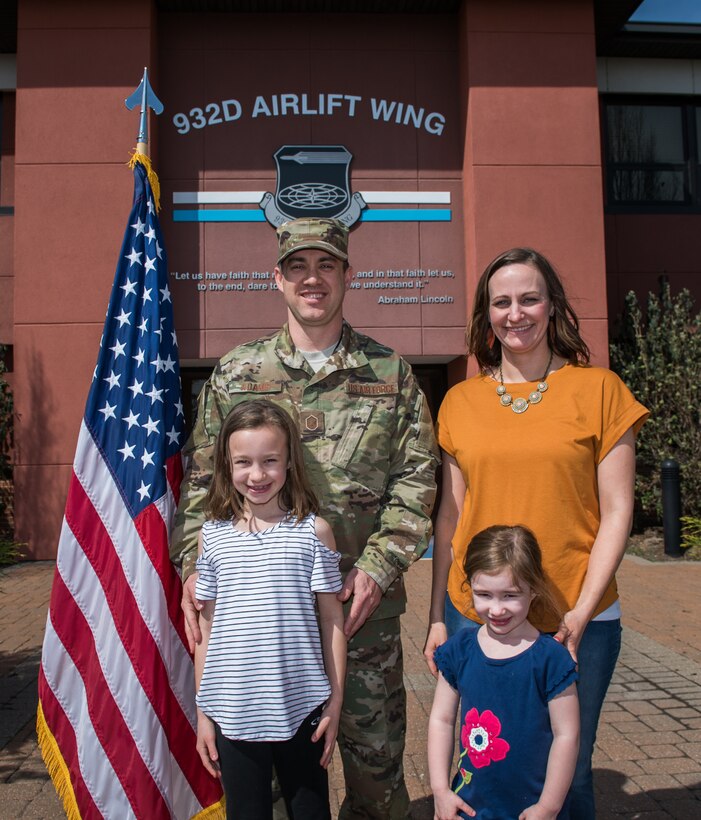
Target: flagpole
<point>145,97</point>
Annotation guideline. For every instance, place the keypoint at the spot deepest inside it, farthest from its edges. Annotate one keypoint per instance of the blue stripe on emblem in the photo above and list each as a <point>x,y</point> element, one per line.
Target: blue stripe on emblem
<point>368,215</point>
<point>219,215</point>
<point>406,215</point>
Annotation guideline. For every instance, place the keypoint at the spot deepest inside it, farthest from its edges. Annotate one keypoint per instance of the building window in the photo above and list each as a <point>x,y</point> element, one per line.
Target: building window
<point>7,152</point>
<point>653,151</point>
<point>192,380</point>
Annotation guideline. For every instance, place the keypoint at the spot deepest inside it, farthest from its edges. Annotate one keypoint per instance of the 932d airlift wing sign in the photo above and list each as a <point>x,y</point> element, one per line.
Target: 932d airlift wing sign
<point>312,181</point>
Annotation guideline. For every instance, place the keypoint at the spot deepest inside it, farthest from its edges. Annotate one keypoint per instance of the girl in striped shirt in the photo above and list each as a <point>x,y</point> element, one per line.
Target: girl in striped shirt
<point>269,681</point>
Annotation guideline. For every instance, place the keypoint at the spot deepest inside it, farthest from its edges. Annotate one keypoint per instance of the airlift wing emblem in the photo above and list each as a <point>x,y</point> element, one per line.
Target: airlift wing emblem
<point>313,181</point>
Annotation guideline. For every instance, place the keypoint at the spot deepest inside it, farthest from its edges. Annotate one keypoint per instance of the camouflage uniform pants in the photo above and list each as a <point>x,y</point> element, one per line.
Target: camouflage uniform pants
<point>373,724</point>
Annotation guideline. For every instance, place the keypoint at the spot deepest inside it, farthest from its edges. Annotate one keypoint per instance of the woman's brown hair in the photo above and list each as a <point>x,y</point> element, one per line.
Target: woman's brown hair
<point>564,338</point>
<point>223,501</point>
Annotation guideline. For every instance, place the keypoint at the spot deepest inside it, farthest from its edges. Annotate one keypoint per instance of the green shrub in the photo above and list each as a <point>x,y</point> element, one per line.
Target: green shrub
<point>657,353</point>
<point>10,552</point>
<point>691,537</point>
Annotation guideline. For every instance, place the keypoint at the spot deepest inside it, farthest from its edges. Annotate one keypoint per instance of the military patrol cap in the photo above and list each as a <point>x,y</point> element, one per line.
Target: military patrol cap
<point>320,234</point>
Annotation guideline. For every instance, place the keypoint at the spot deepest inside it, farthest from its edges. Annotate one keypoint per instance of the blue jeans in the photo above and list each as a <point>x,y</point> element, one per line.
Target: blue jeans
<point>597,655</point>
<point>455,620</point>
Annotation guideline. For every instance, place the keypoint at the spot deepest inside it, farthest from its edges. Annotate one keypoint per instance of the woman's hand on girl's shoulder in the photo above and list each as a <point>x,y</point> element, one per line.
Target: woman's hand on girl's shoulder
<point>570,631</point>
<point>436,636</point>
<point>324,533</point>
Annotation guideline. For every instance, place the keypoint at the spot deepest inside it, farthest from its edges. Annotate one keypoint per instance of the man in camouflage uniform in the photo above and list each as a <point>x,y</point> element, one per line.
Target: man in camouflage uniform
<point>371,457</point>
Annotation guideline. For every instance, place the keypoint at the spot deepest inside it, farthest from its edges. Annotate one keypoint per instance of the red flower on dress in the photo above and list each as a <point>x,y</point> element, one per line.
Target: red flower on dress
<point>480,738</point>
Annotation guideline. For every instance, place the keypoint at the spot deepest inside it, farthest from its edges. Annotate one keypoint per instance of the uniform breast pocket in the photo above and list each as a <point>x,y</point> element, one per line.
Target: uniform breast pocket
<point>363,451</point>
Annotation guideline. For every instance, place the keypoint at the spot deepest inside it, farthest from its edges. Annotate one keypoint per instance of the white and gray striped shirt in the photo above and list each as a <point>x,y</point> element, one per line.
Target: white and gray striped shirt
<point>264,670</point>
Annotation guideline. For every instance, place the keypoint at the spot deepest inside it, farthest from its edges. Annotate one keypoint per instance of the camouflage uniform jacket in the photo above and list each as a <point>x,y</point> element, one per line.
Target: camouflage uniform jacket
<point>368,442</point>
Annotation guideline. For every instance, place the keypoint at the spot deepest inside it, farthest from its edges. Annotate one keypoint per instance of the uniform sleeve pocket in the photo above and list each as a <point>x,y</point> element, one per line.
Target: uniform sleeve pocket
<point>423,437</point>
<point>357,426</point>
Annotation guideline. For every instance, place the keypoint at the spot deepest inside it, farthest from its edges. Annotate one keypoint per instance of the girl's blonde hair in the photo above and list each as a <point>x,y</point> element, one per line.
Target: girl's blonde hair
<point>515,548</point>
<point>223,501</point>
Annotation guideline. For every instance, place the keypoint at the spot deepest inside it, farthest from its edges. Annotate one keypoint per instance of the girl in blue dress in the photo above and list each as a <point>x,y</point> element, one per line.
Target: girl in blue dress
<point>519,715</point>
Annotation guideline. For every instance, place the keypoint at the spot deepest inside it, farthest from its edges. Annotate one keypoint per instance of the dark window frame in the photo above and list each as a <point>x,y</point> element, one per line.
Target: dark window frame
<point>690,166</point>
<point>190,375</point>
<point>5,210</point>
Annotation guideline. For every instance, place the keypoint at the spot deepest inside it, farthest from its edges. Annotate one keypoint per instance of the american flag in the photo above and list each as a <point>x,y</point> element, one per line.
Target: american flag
<point>116,718</point>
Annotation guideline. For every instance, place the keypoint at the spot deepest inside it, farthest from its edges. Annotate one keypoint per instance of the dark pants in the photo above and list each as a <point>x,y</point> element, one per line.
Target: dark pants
<point>247,766</point>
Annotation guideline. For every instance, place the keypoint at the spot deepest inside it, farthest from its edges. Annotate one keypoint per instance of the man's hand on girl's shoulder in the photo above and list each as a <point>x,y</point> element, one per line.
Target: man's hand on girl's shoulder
<point>366,594</point>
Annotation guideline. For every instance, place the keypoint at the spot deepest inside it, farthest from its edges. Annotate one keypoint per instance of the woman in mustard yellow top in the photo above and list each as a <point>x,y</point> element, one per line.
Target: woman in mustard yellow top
<point>541,439</point>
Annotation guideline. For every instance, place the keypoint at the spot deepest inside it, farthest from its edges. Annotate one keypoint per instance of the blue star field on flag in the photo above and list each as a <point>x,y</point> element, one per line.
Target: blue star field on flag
<point>134,409</point>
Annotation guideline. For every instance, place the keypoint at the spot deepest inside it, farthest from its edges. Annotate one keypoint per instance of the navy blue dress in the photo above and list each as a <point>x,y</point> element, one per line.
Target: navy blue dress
<point>505,732</point>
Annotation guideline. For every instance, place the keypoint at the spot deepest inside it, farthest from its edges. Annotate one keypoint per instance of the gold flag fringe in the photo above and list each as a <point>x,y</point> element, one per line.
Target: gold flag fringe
<point>137,156</point>
<point>56,766</point>
<point>217,811</point>
<point>61,778</point>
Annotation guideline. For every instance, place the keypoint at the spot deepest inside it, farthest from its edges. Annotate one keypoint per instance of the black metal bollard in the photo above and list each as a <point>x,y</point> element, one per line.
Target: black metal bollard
<point>671,507</point>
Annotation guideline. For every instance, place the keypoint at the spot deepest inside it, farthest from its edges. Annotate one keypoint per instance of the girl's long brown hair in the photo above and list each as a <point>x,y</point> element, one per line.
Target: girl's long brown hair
<point>563,331</point>
<point>223,501</point>
<point>514,548</point>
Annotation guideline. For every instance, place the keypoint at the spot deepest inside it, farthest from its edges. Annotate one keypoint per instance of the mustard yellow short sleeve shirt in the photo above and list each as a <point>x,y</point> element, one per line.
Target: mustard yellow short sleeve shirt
<point>537,469</point>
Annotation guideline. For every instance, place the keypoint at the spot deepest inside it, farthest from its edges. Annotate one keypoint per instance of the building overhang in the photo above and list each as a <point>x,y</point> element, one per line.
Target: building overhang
<point>615,35</point>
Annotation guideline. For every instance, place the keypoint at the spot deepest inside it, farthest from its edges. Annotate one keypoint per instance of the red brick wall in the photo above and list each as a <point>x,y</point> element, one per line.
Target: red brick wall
<point>524,166</point>
<point>76,63</point>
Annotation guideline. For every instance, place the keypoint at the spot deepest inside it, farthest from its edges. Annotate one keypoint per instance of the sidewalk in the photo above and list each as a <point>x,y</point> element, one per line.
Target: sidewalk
<point>648,757</point>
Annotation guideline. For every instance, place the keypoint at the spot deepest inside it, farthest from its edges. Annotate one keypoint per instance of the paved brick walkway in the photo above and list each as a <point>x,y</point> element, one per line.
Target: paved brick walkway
<point>648,757</point>
<point>25,788</point>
